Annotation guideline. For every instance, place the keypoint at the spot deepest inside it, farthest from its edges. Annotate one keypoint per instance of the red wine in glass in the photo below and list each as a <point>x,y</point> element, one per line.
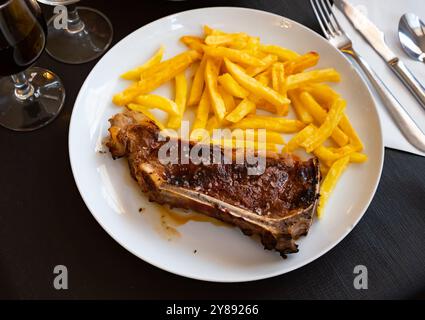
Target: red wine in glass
<point>30,97</point>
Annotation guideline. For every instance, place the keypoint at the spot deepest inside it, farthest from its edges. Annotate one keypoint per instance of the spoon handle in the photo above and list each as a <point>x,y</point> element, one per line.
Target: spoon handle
<point>409,80</point>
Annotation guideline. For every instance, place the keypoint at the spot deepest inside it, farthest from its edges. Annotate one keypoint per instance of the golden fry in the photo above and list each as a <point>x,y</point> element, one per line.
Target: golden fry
<point>197,84</point>
<point>232,87</point>
<point>134,74</point>
<point>282,53</point>
<point>156,75</point>
<point>194,43</point>
<point>212,68</point>
<point>319,114</point>
<point>242,110</point>
<point>256,87</point>
<point>278,84</point>
<point>300,110</point>
<point>329,183</point>
<point>348,129</point>
<point>268,60</point>
<point>303,78</point>
<point>296,140</point>
<point>226,39</point>
<point>229,100</point>
<point>202,112</point>
<point>181,96</point>
<point>269,123</point>
<point>263,78</point>
<point>212,124</point>
<point>329,124</point>
<point>322,93</point>
<point>301,63</point>
<point>233,55</point>
<point>160,102</point>
<point>358,157</point>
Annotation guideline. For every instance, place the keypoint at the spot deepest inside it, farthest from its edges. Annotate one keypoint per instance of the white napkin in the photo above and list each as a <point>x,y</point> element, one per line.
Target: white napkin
<point>386,15</point>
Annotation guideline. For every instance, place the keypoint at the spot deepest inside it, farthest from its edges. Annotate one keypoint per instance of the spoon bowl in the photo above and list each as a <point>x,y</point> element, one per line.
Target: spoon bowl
<point>411,32</point>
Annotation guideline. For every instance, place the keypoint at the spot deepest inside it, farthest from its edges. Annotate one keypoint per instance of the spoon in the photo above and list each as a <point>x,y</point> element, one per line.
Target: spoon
<point>411,32</point>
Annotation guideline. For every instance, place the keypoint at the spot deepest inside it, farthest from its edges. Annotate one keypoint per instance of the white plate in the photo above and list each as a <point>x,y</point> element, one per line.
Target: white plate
<point>222,254</point>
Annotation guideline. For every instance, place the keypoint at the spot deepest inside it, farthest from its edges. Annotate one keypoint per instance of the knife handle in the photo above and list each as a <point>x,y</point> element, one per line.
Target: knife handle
<point>409,80</point>
<point>403,120</point>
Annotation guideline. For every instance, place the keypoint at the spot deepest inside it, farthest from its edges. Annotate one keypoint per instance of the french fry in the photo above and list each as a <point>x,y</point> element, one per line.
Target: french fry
<point>278,83</point>
<point>300,110</point>
<point>296,140</point>
<point>146,112</point>
<point>255,87</point>
<point>181,97</point>
<point>278,77</point>
<point>300,79</point>
<point>212,68</point>
<point>160,102</point>
<point>156,75</point>
<point>202,113</point>
<point>134,74</point>
<point>194,43</point>
<point>243,109</point>
<point>263,78</point>
<point>232,87</point>
<point>357,157</point>
<point>269,123</point>
<point>301,63</point>
<point>209,31</point>
<point>322,93</point>
<point>179,62</point>
<point>319,114</point>
<point>328,126</point>
<point>226,39</point>
<point>282,53</point>
<point>348,129</point>
<point>330,181</point>
<point>212,124</point>
<point>228,99</point>
<point>268,60</point>
<point>262,104</point>
<point>271,136</point>
<point>233,55</point>
<point>330,155</point>
<point>197,84</point>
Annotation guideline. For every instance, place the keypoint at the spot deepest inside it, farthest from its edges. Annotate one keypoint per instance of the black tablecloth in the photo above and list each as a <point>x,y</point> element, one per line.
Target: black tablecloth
<point>44,221</point>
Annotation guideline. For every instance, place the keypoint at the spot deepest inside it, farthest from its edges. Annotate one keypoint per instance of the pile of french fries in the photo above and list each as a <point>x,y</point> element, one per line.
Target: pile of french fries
<point>236,75</point>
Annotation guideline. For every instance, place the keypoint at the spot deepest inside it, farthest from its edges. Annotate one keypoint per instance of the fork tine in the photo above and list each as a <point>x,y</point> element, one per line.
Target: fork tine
<point>338,27</point>
<point>319,18</point>
<point>325,13</point>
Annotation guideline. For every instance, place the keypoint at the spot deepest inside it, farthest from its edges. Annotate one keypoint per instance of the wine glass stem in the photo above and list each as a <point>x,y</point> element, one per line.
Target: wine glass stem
<point>23,89</point>
<point>75,24</point>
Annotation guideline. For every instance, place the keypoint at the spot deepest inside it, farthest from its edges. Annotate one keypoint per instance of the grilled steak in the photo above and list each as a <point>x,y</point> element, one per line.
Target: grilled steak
<point>278,205</point>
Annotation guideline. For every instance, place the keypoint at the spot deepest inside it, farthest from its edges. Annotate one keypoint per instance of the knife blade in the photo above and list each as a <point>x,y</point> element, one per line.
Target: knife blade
<point>367,29</point>
<point>376,39</point>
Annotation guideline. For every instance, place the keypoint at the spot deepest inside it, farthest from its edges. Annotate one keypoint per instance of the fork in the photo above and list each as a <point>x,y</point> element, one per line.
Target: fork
<point>339,39</point>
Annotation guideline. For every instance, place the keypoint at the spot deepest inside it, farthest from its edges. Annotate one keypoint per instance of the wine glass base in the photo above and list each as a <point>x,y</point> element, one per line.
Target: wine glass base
<point>36,111</point>
<point>83,46</point>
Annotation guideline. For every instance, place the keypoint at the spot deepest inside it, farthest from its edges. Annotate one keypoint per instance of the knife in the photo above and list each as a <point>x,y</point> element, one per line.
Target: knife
<point>376,39</point>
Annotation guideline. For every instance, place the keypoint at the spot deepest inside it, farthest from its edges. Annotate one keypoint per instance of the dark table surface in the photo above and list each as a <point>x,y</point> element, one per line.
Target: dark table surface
<point>44,221</point>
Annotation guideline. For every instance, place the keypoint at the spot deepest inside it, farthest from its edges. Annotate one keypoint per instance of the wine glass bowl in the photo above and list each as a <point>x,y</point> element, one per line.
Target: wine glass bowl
<point>31,97</point>
<point>86,34</point>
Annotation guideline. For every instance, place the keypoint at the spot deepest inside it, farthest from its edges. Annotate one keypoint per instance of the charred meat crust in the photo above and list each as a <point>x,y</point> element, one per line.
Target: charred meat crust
<point>277,205</point>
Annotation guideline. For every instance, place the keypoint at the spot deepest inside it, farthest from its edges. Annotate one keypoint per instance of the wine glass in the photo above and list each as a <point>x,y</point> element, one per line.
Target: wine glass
<point>85,35</point>
<point>30,97</point>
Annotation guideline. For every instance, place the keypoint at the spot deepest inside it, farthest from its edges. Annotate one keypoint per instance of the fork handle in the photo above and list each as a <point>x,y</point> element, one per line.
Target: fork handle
<point>402,119</point>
